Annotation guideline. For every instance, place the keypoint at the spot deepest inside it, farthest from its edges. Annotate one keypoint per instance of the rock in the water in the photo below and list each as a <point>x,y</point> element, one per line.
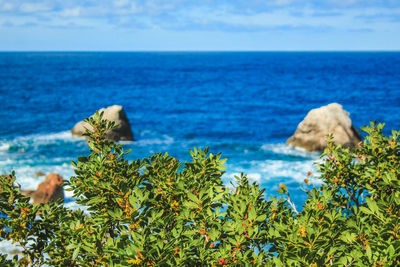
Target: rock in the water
<point>331,119</point>
<point>15,252</point>
<point>48,191</point>
<point>116,114</point>
<point>39,173</point>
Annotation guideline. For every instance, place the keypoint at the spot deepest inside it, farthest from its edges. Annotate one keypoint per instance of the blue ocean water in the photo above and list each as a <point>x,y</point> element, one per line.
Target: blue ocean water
<point>243,104</point>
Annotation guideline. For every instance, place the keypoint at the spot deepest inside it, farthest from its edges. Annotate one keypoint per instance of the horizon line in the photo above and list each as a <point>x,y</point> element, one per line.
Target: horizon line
<point>189,51</point>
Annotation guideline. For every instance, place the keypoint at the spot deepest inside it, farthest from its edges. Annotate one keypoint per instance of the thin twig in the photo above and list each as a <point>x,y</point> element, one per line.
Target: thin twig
<point>351,195</point>
<point>292,204</point>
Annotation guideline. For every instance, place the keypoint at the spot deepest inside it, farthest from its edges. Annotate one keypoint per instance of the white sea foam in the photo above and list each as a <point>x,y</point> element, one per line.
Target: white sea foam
<point>252,176</point>
<point>65,135</point>
<point>285,149</point>
<point>163,140</point>
<point>21,143</point>
<point>7,248</point>
<point>145,132</point>
<point>4,146</point>
<point>273,171</point>
<point>25,174</point>
<point>6,162</point>
<point>297,170</point>
<point>49,137</point>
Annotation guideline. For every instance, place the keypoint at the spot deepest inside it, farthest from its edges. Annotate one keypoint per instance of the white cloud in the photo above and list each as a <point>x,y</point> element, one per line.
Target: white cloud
<point>121,3</point>
<point>282,2</point>
<point>71,12</point>
<point>215,15</point>
<point>6,6</point>
<point>35,7</point>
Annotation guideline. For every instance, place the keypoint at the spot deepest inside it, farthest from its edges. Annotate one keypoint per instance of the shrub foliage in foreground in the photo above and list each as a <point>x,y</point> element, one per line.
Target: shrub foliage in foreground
<point>160,212</point>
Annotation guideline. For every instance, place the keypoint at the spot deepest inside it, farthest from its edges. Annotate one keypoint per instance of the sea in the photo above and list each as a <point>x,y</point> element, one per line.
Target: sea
<point>242,104</point>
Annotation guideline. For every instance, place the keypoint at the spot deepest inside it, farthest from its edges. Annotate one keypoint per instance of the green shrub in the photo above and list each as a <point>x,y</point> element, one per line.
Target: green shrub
<point>160,212</point>
<point>353,218</point>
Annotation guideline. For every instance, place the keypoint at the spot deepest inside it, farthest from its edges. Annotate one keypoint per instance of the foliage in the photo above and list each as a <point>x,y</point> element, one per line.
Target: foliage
<point>353,218</point>
<point>160,212</point>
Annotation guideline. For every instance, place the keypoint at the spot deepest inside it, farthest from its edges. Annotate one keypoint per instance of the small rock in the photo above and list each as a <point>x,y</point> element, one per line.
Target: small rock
<point>48,191</point>
<point>113,113</point>
<point>39,173</point>
<point>331,119</point>
<point>15,252</point>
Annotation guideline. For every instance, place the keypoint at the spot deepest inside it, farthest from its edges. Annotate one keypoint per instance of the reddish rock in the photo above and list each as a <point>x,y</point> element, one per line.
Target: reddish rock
<point>48,191</point>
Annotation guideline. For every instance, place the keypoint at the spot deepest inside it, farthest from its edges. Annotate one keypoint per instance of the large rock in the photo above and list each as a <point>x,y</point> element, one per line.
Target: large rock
<point>48,191</point>
<point>331,119</point>
<point>116,114</point>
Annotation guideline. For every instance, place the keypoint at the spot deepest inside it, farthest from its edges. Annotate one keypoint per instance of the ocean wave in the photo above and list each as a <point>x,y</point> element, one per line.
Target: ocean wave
<point>160,140</point>
<point>285,149</point>
<point>37,161</point>
<point>274,171</point>
<point>50,137</point>
<point>4,146</point>
<point>22,143</point>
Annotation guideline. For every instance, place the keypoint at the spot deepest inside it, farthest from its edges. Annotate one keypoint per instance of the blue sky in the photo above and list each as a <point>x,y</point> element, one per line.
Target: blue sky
<point>147,25</point>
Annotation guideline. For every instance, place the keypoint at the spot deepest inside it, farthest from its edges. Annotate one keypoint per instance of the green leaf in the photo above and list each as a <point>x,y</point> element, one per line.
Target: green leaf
<point>83,159</point>
<point>76,252</point>
<point>391,251</point>
<point>70,246</point>
<point>348,237</point>
<point>372,205</point>
<point>366,210</point>
<point>252,213</point>
<point>218,197</point>
<point>192,197</point>
<point>369,252</point>
<point>261,218</point>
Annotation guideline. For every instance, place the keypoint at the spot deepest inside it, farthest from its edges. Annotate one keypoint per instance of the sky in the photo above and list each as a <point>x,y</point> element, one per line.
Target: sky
<point>201,25</point>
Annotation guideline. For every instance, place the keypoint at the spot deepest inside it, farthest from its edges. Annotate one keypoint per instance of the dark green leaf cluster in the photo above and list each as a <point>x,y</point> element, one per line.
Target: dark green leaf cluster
<point>158,211</point>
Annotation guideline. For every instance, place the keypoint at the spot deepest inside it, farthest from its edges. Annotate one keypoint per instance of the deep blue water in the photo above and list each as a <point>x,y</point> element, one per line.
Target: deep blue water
<point>243,104</point>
